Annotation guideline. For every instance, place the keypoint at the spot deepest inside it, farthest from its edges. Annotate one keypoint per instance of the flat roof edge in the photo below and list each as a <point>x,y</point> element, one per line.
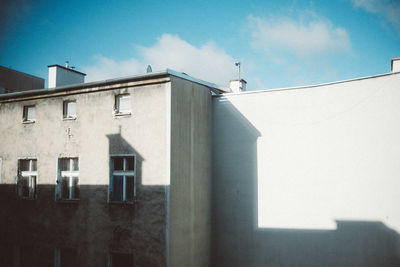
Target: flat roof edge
<point>307,86</point>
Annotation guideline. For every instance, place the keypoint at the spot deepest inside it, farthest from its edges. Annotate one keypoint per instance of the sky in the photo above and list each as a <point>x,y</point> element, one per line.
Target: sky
<point>280,43</point>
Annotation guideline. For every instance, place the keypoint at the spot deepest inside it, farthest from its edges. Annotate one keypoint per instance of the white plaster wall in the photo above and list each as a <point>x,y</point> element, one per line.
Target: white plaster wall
<point>305,159</point>
<point>60,77</point>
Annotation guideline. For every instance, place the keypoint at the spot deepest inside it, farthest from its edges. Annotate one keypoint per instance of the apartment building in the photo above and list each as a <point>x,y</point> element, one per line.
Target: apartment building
<point>113,173</point>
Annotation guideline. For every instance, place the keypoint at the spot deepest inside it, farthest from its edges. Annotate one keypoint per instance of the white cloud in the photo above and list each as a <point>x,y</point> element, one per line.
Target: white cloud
<point>301,38</point>
<point>390,9</point>
<point>107,68</point>
<point>207,62</point>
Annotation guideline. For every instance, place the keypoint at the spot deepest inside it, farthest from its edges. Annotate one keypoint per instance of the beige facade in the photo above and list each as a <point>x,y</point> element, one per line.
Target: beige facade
<point>92,227</point>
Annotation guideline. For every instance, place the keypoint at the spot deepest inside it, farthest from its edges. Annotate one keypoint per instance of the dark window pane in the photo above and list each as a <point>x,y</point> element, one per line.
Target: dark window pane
<point>64,164</point>
<point>121,260</point>
<point>24,186</point>
<point>64,185</point>
<point>75,164</point>
<point>130,163</point>
<point>27,256</point>
<point>118,163</point>
<point>24,165</point>
<point>117,188</point>
<point>34,165</point>
<point>6,254</point>
<point>75,187</point>
<point>67,257</point>
<point>130,187</point>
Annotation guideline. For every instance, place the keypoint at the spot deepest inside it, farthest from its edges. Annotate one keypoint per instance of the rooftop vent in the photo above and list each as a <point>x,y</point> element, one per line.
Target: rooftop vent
<point>237,86</point>
<point>395,64</point>
<point>61,76</point>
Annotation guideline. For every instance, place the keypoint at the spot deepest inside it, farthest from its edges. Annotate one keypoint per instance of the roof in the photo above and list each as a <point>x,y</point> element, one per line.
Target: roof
<point>65,68</point>
<point>148,78</point>
<point>307,86</point>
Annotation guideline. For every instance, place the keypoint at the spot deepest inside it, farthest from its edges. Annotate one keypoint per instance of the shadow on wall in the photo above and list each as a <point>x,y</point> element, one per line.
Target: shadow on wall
<point>238,241</point>
<point>30,230</point>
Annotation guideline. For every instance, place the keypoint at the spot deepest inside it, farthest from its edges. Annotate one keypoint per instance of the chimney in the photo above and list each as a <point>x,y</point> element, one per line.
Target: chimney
<point>395,64</point>
<point>60,76</point>
<point>237,86</point>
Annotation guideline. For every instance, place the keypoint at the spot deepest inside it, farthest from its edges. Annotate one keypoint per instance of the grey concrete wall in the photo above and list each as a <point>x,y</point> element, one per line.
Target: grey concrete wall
<point>190,190</point>
<point>91,226</point>
<point>15,81</point>
<point>308,177</point>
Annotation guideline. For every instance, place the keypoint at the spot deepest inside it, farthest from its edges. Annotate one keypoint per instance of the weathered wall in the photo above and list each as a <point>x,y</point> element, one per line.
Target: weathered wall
<point>190,190</point>
<point>308,177</point>
<point>92,226</point>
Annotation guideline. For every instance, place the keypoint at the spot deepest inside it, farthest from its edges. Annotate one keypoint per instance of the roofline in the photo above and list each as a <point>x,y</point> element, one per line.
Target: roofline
<point>24,73</point>
<point>75,87</point>
<point>305,87</point>
<point>65,68</point>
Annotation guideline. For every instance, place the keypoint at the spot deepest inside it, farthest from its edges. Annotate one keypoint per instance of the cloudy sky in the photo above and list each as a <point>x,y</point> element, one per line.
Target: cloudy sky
<point>279,43</point>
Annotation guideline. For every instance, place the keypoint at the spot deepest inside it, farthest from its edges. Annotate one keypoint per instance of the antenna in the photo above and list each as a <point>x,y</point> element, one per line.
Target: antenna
<point>238,65</point>
<point>149,70</point>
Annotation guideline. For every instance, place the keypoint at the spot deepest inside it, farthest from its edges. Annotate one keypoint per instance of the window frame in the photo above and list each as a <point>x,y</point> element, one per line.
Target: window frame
<point>124,174</point>
<point>69,174</point>
<point>25,114</point>
<point>58,252</point>
<point>65,110</point>
<point>117,102</point>
<point>112,253</point>
<point>30,173</point>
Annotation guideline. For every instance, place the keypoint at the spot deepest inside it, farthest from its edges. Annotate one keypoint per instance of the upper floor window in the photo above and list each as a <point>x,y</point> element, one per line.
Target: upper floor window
<point>64,257</point>
<point>29,114</point>
<point>123,178</point>
<point>27,178</point>
<point>123,104</point>
<point>68,179</point>
<point>69,109</point>
<point>120,260</point>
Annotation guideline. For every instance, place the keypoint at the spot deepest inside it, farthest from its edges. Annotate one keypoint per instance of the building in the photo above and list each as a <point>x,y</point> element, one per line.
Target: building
<point>166,170</point>
<point>16,81</point>
<point>114,172</point>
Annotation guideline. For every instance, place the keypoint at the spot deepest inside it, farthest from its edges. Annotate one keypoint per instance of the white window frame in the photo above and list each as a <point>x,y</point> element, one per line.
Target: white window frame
<point>65,110</point>
<point>57,256</point>
<point>124,173</point>
<point>30,174</point>
<point>69,174</point>
<point>117,110</point>
<point>111,254</point>
<point>25,114</point>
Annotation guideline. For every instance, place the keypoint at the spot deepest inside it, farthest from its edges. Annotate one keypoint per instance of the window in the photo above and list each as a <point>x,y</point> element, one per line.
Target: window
<point>120,260</point>
<point>27,178</point>
<point>29,114</point>
<point>122,180</point>
<point>64,257</point>
<point>68,179</point>
<point>69,109</point>
<point>123,104</point>
<point>26,256</point>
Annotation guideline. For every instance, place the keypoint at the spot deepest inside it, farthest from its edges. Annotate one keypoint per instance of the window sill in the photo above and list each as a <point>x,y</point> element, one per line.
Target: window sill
<point>69,118</point>
<point>27,198</point>
<point>128,203</point>
<point>67,201</point>
<point>28,122</point>
<point>121,114</point>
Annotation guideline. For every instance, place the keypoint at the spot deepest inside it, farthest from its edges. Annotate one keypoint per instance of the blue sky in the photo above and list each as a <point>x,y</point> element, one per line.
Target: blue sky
<point>279,43</point>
